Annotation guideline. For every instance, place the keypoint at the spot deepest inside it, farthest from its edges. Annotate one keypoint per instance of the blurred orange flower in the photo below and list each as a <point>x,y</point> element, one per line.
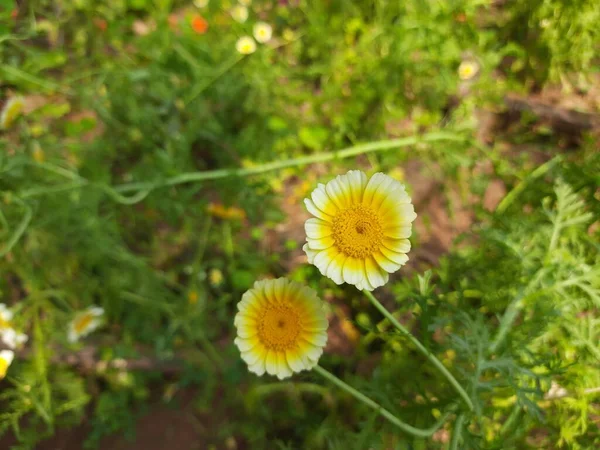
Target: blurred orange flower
<point>224,212</point>
<point>199,24</point>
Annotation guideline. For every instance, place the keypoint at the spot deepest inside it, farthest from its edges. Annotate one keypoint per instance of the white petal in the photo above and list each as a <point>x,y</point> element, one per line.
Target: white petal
<point>316,228</point>
<point>312,208</point>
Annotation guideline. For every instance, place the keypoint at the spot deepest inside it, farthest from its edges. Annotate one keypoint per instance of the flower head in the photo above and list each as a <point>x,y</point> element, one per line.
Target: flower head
<point>262,32</point>
<point>6,316</point>
<point>467,70</point>
<point>239,13</point>
<point>360,231</point>
<point>245,45</point>
<point>281,328</point>
<point>11,338</point>
<point>199,24</point>
<point>6,359</point>
<point>12,109</point>
<point>85,322</point>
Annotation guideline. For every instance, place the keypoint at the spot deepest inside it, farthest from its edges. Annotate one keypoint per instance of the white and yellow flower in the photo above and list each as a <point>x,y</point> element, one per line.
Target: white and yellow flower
<point>281,328</point>
<point>245,45</point>
<point>85,322</point>
<point>12,109</point>
<point>6,316</point>
<point>8,335</point>
<point>12,339</point>
<point>6,359</point>
<point>467,70</point>
<point>360,231</point>
<point>239,13</point>
<point>262,32</point>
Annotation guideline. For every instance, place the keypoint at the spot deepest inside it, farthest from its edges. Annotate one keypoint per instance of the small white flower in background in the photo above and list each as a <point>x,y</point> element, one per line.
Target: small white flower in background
<point>12,339</point>
<point>245,2</point>
<point>12,109</point>
<point>467,70</point>
<point>85,322</point>
<point>6,316</point>
<point>245,45</point>
<point>201,3</point>
<point>6,359</point>
<point>8,335</point>
<point>263,32</point>
<point>239,13</point>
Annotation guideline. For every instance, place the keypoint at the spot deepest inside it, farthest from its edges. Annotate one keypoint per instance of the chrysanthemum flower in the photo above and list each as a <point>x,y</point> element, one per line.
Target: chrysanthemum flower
<point>12,109</point>
<point>467,70</point>
<point>239,13</point>
<point>85,322</point>
<point>12,339</point>
<point>6,359</point>
<point>262,32</point>
<point>245,45</point>
<point>281,328</point>
<point>360,231</point>
<point>6,316</point>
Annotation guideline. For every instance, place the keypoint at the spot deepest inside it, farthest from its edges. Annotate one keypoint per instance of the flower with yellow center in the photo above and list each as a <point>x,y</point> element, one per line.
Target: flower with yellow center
<point>245,45</point>
<point>360,231</point>
<point>85,322</point>
<point>6,316</point>
<point>6,359</point>
<point>467,70</point>
<point>262,32</point>
<point>239,13</point>
<point>281,328</point>
<point>12,109</point>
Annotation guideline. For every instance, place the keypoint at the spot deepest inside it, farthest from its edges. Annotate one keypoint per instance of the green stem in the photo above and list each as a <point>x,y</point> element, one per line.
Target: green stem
<point>418,432</point>
<point>520,187</point>
<point>421,348</point>
<point>457,432</point>
<point>192,177</point>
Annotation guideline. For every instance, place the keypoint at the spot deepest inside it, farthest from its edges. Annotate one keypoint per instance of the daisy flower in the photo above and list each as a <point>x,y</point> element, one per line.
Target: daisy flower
<point>12,339</point>
<point>245,45</point>
<point>239,13</point>
<point>12,109</point>
<point>360,231</point>
<point>281,328</point>
<point>467,70</point>
<point>262,32</point>
<point>85,322</point>
<point>6,359</point>
<point>6,316</point>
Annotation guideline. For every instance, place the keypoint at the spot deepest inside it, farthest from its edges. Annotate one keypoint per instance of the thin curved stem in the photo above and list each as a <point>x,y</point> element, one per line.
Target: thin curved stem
<point>418,432</point>
<point>436,362</point>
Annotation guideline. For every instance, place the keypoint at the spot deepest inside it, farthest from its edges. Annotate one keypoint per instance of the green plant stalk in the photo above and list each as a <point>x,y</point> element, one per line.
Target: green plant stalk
<point>520,187</point>
<point>457,432</point>
<point>418,432</point>
<point>192,177</point>
<point>436,362</point>
<point>142,189</point>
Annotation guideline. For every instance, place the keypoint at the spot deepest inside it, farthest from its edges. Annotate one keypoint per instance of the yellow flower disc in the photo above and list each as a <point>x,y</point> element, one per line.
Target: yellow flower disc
<point>281,328</point>
<point>360,231</point>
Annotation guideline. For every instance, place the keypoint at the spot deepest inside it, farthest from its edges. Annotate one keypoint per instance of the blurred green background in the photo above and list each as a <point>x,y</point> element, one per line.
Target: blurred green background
<point>136,178</point>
